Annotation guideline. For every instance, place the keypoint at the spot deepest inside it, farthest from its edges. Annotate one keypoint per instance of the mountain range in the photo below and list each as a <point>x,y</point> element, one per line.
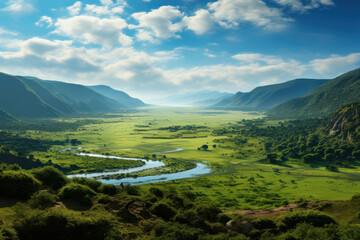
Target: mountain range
<point>266,97</point>
<point>35,98</point>
<point>324,100</point>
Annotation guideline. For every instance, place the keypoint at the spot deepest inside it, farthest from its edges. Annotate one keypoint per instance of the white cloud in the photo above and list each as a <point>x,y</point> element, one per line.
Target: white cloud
<point>200,23</point>
<point>42,57</point>
<point>6,32</point>
<point>255,57</point>
<point>40,46</point>
<point>75,9</point>
<point>90,29</point>
<point>44,21</point>
<point>298,5</point>
<point>230,13</point>
<point>336,64</point>
<point>159,22</point>
<point>108,7</point>
<point>18,6</point>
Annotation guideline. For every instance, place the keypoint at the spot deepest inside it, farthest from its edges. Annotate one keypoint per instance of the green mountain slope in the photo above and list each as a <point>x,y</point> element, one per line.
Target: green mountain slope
<point>5,117</point>
<point>81,98</point>
<point>266,97</point>
<point>46,95</point>
<point>324,100</point>
<point>119,96</point>
<point>19,100</point>
<point>345,123</point>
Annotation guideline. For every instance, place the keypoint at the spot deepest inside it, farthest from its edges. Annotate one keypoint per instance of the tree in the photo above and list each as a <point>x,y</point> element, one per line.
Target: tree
<point>204,147</point>
<point>272,157</point>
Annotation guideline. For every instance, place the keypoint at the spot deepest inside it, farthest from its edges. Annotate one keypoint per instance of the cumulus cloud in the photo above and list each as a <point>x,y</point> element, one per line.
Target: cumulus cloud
<point>7,32</point>
<point>108,7</point>
<point>298,5</point>
<point>200,23</point>
<point>44,21</point>
<point>18,6</point>
<point>158,23</point>
<point>40,46</point>
<point>256,57</point>
<point>75,9</point>
<point>336,64</point>
<point>90,29</point>
<point>42,57</point>
<point>230,13</point>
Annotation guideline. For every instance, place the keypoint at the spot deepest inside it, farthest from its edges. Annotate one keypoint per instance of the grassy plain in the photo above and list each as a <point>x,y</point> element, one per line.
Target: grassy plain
<point>238,179</point>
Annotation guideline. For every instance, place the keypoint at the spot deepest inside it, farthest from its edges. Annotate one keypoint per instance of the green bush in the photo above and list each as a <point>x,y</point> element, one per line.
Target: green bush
<point>59,224</point>
<point>314,218</point>
<point>223,218</point>
<point>157,192</point>
<point>18,184</point>
<point>264,223</point>
<point>8,234</point>
<point>308,232</point>
<point>50,176</point>
<point>208,212</point>
<point>42,200</point>
<point>176,231</point>
<point>163,210</point>
<point>109,189</point>
<point>77,192</point>
<point>91,183</point>
<point>132,190</point>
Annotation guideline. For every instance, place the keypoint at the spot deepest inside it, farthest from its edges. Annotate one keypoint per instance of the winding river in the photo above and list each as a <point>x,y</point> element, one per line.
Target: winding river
<point>200,169</point>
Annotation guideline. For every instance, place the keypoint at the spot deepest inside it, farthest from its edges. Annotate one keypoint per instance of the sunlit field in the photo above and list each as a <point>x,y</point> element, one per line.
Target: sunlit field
<point>237,180</point>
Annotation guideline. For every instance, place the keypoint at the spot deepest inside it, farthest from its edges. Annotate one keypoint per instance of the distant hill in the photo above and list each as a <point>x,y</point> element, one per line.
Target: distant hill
<point>118,96</point>
<point>5,117</point>
<point>266,97</point>
<point>20,100</point>
<point>35,98</point>
<point>324,100</point>
<point>199,98</point>
<point>80,98</point>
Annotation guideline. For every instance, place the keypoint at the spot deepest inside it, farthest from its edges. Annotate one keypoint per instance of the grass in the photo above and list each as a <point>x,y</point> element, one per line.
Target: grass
<point>238,179</point>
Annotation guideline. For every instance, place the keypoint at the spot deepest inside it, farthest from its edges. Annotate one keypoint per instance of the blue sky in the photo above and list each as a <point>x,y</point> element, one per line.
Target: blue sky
<point>152,48</point>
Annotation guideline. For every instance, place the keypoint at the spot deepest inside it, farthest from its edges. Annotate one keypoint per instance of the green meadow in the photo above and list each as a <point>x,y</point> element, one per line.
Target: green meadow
<point>239,178</point>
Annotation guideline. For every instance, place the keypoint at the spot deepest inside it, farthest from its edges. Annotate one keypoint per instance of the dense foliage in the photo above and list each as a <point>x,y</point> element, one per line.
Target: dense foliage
<point>155,214</point>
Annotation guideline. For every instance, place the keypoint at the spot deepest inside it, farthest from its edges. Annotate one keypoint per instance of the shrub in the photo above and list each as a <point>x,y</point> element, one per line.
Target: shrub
<point>132,190</point>
<point>157,192</point>
<point>163,210</point>
<point>264,223</point>
<point>332,168</point>
<point>306,231</point>
<point>208,212</point>
<point>8,234</point>
<point>109,189</point>
<point>313,218</point>
<point>176,231</point>
<point>42,200</point>
<point>223,218</point>
<point>59,224</point>
<point>50,176</point>
<point>18,184</point>
<point>91,183</point>
<point>77,192</point>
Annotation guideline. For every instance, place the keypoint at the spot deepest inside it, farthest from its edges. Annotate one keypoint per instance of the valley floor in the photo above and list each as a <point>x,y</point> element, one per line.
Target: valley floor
<point>239,180</point>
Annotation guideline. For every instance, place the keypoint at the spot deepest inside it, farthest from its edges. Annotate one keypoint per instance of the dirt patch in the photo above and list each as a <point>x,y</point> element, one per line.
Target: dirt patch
<point>316,205</point>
